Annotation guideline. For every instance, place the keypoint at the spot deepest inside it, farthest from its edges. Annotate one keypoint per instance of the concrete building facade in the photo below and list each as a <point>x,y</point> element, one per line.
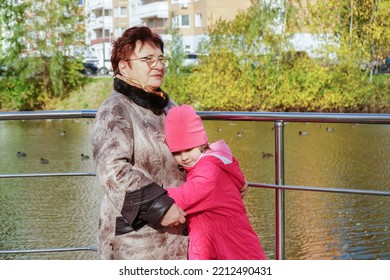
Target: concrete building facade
<point>107,19</point>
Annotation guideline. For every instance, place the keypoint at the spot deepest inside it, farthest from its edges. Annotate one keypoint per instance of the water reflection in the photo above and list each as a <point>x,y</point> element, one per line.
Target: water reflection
<point>318,225</point>
<point>63,212</point>
<point>48,212</point>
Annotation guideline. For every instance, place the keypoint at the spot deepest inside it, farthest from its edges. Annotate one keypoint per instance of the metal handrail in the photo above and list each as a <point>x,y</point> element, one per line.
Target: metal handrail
<point>48,250</point>
<point>56,174</point>
<point>318,189</point>
<point>276,117</point>
<point>219,115</point>
<point>42,115</point>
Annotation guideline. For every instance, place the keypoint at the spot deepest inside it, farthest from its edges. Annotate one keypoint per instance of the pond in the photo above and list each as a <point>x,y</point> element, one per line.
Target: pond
<point>59,212</point>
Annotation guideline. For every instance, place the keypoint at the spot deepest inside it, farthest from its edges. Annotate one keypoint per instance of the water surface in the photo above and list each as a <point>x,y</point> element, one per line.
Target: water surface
<point>63,212</point>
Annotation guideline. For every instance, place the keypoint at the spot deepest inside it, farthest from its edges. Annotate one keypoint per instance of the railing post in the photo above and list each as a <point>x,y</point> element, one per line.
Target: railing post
<point>279,193</point>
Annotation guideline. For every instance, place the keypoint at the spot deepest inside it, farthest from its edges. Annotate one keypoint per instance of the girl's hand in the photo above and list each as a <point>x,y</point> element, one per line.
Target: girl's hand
<point>174,217</point>
<point>244,189</point>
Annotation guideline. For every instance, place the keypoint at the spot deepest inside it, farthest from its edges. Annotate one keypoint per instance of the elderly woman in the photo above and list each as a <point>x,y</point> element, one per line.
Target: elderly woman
<point>137,220</point>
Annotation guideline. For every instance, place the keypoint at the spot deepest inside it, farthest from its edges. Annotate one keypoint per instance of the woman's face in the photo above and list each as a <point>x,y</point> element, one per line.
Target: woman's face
<point>140,71</point>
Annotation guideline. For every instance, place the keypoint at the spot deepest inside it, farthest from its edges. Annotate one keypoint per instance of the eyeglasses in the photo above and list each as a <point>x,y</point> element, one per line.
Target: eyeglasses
<point>151,61</point>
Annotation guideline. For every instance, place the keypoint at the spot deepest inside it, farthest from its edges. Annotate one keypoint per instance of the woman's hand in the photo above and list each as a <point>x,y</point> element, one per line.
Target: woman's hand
<point>174,217</point>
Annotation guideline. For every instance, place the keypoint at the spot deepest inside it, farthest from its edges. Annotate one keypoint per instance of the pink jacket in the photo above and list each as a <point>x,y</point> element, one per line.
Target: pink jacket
<point>218,224</point>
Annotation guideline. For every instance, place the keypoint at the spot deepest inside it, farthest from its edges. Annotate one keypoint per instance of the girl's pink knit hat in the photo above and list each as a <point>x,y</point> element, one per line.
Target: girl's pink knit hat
<point>184,129</point>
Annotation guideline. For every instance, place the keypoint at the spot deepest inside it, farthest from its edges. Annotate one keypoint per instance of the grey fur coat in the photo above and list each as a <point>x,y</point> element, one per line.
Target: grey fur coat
<point>130,153</point>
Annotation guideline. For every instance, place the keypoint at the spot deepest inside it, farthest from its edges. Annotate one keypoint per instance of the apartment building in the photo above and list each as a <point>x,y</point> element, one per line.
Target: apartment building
<point>192,17</point>
<point>99,30</point>
<point>107,19</point>
<point>120,16</point>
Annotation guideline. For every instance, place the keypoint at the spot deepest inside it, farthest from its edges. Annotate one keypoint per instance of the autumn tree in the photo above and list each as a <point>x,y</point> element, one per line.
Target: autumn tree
<point>361,26</point>
<point>251,64</point>
<point>40,38</point>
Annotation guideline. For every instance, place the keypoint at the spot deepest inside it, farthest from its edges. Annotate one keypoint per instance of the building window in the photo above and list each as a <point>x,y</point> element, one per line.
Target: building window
<point>153,24</point>
<point>181,21</point>
<point>198,20</point>
<point>175,21</point>
<point>133,10</point>
<point>119,31</point>
<point>120,12</point>
<point>185,21</point>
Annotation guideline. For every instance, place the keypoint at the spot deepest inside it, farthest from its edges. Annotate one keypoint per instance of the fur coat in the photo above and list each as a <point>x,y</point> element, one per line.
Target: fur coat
<point>133,164</point>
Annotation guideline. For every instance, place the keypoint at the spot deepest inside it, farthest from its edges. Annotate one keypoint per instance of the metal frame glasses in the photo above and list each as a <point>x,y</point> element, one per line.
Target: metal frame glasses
<point>151,61</point>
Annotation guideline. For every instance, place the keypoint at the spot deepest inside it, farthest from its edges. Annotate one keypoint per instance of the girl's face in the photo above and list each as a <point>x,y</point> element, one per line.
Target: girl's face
<point>142,69</point>
<point>187,158</point>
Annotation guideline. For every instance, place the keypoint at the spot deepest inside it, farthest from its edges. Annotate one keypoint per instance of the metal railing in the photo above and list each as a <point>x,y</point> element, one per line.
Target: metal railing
<point>278,118</point>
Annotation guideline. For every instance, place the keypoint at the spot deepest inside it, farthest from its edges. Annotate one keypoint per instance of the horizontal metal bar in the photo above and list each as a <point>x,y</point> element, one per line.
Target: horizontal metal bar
<point>298,117</point>
<point>318,189</point>
<point>251,184</point>
<point>48,250</point>
<point>47,174</point>
<point>219,115</point>
<point>38,115</point>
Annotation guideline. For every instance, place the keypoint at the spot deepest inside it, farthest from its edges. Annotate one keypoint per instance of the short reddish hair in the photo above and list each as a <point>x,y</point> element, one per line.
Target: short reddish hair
<point>123,47</point>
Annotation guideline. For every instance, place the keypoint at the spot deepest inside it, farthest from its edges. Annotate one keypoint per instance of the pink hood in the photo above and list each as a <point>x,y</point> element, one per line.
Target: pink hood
<point>224,159</point>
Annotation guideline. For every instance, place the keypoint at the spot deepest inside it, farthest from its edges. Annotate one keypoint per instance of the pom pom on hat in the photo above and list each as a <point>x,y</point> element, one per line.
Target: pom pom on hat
<point>184,129</point>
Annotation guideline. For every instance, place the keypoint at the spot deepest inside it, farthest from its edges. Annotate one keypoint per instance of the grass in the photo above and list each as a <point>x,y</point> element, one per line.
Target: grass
<point>98,88</point>
<point>88,97</point>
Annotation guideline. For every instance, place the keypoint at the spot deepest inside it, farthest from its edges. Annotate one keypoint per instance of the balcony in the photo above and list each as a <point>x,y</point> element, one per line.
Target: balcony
<point>93,5</point>
<point>100,40</point>
<point>100,22</point>
<point>154,10</point>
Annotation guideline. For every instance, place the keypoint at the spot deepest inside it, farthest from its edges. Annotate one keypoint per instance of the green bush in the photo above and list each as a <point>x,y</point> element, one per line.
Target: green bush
<point>16,95</point>
<point>250,68</point>
<point>305,85</point>
<point>34,81</point>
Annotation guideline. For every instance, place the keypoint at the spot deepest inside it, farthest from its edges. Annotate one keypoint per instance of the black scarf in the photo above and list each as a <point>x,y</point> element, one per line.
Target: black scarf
<point>147,100</point>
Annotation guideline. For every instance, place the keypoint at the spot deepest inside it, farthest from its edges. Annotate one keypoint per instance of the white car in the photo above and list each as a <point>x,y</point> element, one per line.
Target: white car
<point>190,59</point>
<point>106,68</point>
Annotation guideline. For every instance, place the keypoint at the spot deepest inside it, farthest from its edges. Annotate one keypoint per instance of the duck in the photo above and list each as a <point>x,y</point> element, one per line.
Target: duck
<point>329,129</point>
<point>44,161</point>
<point>62,133</point>
<point>84,157</point>
<point>303,133</point>
<point>240,133</point>
<point>20,154</point>
<point>266,155</point>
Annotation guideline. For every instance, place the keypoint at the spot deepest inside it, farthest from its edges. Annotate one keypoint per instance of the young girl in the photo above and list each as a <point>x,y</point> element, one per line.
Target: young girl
<point>218,225</point>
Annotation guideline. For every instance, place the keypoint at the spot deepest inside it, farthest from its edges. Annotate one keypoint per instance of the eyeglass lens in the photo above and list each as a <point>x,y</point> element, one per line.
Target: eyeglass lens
<point>153,62</point>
